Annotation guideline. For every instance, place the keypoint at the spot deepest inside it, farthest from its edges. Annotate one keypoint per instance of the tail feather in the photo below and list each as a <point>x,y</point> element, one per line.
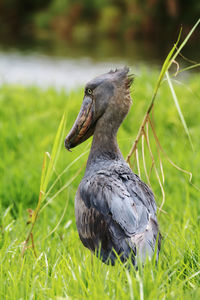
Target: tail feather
<point>145,242</point>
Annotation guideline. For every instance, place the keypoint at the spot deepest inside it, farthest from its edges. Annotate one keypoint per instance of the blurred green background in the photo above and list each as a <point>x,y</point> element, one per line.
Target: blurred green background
<point>144,29</point>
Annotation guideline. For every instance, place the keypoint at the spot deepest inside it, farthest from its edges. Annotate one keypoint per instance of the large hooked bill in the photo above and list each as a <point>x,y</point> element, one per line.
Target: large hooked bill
<point>82,128</point>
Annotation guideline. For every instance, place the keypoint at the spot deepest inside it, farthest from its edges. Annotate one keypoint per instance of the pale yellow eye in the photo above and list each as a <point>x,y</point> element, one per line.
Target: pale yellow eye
<point>89,91</point>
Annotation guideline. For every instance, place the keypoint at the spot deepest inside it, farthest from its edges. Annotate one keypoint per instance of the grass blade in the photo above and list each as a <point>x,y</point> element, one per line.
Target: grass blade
<point>55,152</point>
<point>138,163</point>
<point>144,161</point>
<point>189,68</point>
<point>185,41</point>
<point>155,168</point>
<point>63,172</point>
<point>179,109</point>
<point>45,178</point>
<point>166,65</point>
<point>60,220</point>
<point>161,168</point>
<point>63,187</point>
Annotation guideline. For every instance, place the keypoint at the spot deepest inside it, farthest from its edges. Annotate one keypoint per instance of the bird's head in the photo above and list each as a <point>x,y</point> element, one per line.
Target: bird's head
<point>107,95</point>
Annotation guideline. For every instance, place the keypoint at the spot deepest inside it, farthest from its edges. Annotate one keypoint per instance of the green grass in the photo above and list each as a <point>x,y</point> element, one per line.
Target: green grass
<point>29,118</point>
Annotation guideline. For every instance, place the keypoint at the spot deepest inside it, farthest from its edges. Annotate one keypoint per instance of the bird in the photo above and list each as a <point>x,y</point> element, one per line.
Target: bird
<point>115,210</point>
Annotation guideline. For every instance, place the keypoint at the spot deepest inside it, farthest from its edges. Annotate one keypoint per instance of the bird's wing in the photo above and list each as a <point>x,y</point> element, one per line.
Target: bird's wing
<point>94,230</point>
<point>120,197</point>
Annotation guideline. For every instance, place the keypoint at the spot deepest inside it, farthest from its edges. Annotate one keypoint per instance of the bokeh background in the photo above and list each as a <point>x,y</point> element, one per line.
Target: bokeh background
<point>43,42</point>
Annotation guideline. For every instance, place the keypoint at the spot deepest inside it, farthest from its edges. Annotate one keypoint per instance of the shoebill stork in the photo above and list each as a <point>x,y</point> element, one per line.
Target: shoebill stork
<point>115,211</point>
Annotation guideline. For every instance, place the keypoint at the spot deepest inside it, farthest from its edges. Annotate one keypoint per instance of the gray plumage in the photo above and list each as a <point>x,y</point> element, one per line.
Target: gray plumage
<point>115,211</point>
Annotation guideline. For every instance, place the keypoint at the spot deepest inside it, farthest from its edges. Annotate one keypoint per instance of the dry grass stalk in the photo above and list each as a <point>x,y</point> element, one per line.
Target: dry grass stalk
<point>143,133</point>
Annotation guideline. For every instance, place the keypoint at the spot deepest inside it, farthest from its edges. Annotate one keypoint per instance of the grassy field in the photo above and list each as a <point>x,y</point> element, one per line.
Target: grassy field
<point>29,118</point>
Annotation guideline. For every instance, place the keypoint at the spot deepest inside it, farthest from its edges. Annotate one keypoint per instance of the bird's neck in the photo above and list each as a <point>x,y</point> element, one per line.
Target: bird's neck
<point>104,145</point>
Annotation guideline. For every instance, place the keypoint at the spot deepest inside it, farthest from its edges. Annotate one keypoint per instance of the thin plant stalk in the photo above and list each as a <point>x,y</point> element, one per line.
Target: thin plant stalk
<point>189,68</point>
<point>166,65</point>
<point>47,171</point>
<point>63,172</point>
<point>63,187</point>
<point>60,220</point>
<point>179,109</point>
<point>170,161</point>
<point>155,168</point>
<point>138,162</point>
<point>144,161</point>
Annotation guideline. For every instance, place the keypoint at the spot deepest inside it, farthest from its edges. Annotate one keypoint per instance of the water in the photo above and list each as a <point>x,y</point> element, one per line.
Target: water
<point>45,71</point>
<point>68,66</point>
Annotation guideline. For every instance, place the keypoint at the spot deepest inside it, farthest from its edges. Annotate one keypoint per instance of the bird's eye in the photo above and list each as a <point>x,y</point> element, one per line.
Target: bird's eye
<point>89,91</point>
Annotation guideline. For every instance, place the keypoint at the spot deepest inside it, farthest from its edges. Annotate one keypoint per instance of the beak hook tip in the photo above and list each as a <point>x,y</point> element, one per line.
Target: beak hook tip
<point>67,146</point>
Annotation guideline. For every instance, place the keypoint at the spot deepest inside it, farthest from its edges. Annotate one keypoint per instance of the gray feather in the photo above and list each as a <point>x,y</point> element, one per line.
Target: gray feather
<point>126,205</point>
